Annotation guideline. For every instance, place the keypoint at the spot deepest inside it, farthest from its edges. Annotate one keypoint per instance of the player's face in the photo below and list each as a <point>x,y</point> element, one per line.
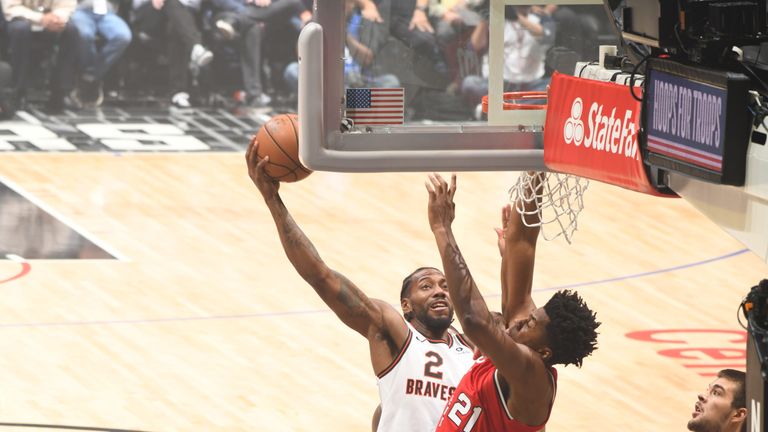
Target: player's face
<point>531,331</point>
<point>713,410</point>
<point>429,299</point>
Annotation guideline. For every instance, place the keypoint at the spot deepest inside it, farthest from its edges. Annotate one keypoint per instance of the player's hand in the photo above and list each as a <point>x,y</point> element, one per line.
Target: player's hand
<point>441,207</point>
<point>420,22</point>
<point>257,171</point>
<point>501,233</point>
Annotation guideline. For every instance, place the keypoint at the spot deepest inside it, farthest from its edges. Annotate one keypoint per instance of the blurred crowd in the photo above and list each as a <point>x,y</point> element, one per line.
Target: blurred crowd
<point>186,53</point>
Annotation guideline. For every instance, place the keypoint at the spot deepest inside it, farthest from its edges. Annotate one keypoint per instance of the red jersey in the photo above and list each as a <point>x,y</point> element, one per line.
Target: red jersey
<point>477,405</point>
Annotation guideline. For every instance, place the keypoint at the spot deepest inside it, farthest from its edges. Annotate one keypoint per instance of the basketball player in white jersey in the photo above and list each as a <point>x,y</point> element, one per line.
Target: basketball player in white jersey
<point>417,361</point>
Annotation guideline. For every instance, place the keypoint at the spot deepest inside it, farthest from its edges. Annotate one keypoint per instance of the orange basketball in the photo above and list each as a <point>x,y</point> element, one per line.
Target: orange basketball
<point>279,139</point>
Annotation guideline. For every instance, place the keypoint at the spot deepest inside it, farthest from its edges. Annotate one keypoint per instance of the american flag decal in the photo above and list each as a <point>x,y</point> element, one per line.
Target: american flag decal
<point>375,106</point>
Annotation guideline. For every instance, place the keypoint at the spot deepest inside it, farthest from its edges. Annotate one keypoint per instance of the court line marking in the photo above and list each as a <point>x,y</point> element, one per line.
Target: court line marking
<point>66,221</point>
<point>317,311</point>
<point>26,267</point>
<point>67,427</point>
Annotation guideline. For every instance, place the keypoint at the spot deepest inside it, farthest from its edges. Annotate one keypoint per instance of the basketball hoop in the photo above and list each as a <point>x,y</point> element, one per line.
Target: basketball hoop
<point>559,197</point>
<point>515,100</point>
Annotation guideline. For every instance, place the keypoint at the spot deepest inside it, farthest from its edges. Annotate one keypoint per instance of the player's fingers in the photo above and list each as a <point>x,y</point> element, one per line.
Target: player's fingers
<point>441,181</point>
<point>261,166</point>
<point>251,149</point>
<point>435,182</point>
<point>430,191</point>
<point>452,189</point>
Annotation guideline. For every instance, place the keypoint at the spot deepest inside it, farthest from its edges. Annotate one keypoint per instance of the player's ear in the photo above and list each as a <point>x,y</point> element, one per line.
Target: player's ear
<point>405,304</point>
<point>545,353</point>
<point>739,415</point>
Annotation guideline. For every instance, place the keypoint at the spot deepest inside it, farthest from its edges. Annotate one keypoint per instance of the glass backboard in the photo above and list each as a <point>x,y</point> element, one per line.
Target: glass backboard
<point>404,94</point>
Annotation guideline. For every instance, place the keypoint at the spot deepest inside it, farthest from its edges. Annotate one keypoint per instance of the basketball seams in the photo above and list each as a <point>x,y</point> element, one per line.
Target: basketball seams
<point>266,129</point>
<point>296,134</point>
<point>284,150</point>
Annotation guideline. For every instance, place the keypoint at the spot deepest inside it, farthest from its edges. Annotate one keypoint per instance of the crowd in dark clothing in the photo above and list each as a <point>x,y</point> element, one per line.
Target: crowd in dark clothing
<point>246,50</point>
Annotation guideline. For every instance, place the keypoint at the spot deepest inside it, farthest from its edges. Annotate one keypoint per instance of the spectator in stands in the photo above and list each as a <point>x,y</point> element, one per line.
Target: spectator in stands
<point>528,34</point>
<point>177,21</point>
<point>98,18</point>
<point>245,21</point>
<point>359,68</point>
<point>450,22</point>
<point>411,24</point>
<point>48,20</point>
<point>7,108</point>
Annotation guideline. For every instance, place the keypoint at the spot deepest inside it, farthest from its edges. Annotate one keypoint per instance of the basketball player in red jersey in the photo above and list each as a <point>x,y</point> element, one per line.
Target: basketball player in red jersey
<point>417,360</point>
<point>513,388</point>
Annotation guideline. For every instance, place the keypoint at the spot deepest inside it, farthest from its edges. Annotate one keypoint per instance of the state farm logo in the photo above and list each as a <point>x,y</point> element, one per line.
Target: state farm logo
<point>604,132</point>
<point>574,127</point>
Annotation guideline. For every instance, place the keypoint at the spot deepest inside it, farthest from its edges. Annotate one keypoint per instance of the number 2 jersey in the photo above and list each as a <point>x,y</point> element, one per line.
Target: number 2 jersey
<point>478,404</point>
<point>421,379</point>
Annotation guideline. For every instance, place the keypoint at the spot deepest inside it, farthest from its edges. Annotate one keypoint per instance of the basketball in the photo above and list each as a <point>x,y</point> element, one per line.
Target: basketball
<point>279,139</point>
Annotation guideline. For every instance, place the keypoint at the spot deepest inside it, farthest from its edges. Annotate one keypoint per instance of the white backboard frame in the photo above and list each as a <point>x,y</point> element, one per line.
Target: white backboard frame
<point>388,149</point>
<point>496,114</point>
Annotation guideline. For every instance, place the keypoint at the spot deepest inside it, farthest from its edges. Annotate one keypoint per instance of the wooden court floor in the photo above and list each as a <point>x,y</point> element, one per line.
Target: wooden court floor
<point>205,326</point>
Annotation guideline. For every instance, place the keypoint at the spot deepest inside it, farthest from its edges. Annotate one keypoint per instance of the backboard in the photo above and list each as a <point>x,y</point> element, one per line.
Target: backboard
<point>438,124</point>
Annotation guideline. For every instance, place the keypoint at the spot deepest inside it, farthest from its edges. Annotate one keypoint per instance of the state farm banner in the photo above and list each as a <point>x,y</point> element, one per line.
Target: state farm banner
<point>591,131</point>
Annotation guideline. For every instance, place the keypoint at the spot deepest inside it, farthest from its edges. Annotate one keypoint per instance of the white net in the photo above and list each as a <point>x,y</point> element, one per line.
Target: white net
<point>560,199</point>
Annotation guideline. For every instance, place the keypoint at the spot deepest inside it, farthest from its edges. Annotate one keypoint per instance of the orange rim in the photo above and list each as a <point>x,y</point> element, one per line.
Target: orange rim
<point>519,96</point>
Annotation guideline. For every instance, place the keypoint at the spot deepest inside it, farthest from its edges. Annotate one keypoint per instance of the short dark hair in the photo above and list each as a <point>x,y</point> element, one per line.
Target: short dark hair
<point>404,291</point>
<point>571,331</point>
<point>740,393</point>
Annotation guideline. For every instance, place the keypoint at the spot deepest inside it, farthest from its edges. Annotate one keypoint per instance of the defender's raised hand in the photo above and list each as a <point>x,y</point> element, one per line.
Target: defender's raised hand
<point>441,206</point>
<point>257,171</point>
<point>506,214</point>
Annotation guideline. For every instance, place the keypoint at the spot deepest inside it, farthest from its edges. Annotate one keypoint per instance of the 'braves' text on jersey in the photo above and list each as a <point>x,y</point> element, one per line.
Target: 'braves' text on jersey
<point>478,404</point>
<point>421,379</point>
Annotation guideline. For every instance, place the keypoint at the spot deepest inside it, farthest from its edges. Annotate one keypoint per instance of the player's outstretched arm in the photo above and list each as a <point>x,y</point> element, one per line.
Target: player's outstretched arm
<point>489,335</point>
<point>365,315</point>
<point>518,254</point>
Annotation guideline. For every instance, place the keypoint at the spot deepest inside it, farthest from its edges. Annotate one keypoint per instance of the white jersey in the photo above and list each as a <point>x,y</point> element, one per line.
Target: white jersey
<point>416,386</point>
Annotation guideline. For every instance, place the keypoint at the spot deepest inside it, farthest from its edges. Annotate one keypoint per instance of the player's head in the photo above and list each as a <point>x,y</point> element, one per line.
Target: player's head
<point>723,407</point>
<point>424,297</point>
<point>563,331</point>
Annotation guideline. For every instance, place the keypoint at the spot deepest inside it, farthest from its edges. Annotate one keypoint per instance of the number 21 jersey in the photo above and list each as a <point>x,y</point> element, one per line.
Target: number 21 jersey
<point>478,405</point>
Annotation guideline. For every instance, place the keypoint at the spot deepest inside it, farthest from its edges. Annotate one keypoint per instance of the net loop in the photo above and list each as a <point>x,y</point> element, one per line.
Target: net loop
<point>560,199</point>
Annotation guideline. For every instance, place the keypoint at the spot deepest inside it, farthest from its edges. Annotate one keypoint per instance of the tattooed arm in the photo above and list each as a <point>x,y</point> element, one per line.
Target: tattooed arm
<point>374,319</point>
<point>519,253</point>
<point>488,334</point>
<point>471,308</point>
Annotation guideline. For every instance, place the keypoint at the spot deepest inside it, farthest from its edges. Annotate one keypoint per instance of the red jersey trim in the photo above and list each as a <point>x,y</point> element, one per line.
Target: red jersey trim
<point>448,342</point>
<point>503,402</point>
<point>463,340</point>
<point>396,360</point>
<point>500,394</point>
